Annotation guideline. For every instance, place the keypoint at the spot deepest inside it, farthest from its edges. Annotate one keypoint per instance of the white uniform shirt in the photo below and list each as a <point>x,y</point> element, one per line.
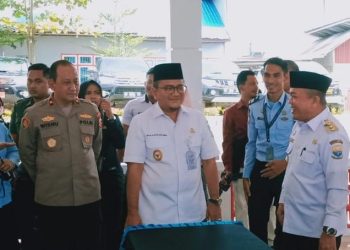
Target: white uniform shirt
<point>315,187</point>
<point>135,107</point>
<point>171,190</point>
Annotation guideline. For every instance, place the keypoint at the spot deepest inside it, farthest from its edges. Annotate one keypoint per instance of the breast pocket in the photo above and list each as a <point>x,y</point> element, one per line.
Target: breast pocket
<point>51,139</point>
<point>307,166</point>
<point>157,148</point>
<point>87,135</point>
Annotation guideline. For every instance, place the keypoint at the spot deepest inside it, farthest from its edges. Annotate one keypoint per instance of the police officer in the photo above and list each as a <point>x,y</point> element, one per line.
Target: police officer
<point>60,141</point>
<point>315,188</point>
<point>270,122</point>
<point>23,195</point>
<point>164,149</point>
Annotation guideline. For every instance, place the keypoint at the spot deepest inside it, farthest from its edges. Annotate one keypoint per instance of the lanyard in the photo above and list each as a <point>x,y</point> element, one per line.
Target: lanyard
<point>269,125</point>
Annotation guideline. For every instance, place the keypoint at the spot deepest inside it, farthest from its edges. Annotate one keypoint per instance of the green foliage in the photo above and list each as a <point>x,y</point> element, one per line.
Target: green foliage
<point>119,43</point>
<point>10,38</point>
<point>23,23</point>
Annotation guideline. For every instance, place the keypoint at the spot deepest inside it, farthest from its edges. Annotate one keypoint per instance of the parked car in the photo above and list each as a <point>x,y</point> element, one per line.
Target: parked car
<point>122,77</point>
<point>13,79</point>
<point>219,81</point>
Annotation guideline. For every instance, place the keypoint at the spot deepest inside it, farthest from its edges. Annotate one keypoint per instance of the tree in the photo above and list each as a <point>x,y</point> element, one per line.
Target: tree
<point>31,18</point>
<point>10,38</point>
<point>119,42</point>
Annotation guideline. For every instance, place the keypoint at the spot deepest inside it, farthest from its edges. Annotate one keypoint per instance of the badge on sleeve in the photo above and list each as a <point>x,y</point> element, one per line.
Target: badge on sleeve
<point>337,149</point>
<point>25,122</point>
<point>157,155</point>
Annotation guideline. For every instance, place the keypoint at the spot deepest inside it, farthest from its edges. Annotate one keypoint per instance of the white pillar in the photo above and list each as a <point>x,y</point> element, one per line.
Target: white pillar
<point>184,44</point>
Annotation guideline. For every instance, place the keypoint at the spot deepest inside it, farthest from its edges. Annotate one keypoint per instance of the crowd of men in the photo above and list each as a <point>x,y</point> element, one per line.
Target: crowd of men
<point>61,180</point>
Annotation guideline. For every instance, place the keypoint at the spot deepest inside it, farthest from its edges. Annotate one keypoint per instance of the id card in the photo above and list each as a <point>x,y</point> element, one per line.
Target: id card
<point>191,160</point>
<point>269,153</point>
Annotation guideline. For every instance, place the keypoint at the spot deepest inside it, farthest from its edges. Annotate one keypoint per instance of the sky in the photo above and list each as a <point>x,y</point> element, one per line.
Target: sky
<point>276,27</point>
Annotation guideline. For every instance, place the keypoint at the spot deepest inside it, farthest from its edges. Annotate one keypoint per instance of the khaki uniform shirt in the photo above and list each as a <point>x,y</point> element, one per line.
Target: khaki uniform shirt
<point>60,152</point>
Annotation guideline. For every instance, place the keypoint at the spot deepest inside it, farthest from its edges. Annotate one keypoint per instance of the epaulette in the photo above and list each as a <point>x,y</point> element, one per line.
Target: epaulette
<point>84,101</point>
<point>256,99</point>
<point>330,126</point>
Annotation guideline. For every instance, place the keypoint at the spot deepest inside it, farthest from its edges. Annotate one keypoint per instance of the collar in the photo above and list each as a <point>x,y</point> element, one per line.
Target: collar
<point>241,105</point>
<point>315,122</point>
<point>280,101</point>
<point>52,100</point>
<point>157,111</point>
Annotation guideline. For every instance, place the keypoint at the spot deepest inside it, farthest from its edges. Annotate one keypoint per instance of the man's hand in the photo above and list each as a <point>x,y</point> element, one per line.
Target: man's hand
<point>133,219</point>
<point>280,213</point>
<point>274,168</point>
<point>327,242</point>
<point>246,188</point>
<point>213,211</point>
<point>225,181</point>
<point>6,165</point>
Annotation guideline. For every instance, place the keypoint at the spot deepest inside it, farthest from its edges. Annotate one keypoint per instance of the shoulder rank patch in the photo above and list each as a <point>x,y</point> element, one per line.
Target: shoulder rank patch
<point>85,116</point>
<point>25,122</point>
<point>330,126</point>
<point>337,149</point>
<point>48,118</point>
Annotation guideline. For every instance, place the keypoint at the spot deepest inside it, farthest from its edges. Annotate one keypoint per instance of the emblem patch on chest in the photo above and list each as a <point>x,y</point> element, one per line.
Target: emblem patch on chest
<point>51,143</point>
<point>157,155</point>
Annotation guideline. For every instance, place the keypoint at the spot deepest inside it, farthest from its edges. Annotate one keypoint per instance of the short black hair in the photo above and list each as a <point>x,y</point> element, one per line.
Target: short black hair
<point>42,67</point>
<point>84,86</point>
<point>277,61</point>
<point>54,66</point>
<point>242,77</point>
<point>291,65</point>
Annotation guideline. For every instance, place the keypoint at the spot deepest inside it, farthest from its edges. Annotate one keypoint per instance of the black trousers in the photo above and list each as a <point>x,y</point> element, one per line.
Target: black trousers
<point>70,228</point>
<point>113,208</point>
<point>26,214</point>
<point>263,193</point>
<point>297,242</point>
<point>8,233</point>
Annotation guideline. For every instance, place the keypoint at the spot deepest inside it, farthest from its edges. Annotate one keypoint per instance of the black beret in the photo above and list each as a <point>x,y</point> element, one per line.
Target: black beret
<point>167,71</point>
<point>309,80</point>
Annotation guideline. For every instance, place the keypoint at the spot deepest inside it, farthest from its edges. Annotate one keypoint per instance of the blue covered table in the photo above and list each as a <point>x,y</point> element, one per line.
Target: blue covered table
<point>206,235</point>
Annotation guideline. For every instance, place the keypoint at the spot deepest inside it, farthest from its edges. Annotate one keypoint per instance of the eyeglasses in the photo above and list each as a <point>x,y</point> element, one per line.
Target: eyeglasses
<point>171,89</point>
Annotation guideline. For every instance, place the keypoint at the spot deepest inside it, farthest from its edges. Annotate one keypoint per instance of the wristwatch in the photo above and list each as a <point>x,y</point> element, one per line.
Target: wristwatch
<point>329,231</point>
<point>215,201</point>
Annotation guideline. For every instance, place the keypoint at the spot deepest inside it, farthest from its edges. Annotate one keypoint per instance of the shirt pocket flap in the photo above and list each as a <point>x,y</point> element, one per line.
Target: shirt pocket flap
<point>308,156</point>
<point>90,130</point>
<point>87,133</point>
<point>51,139</point>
